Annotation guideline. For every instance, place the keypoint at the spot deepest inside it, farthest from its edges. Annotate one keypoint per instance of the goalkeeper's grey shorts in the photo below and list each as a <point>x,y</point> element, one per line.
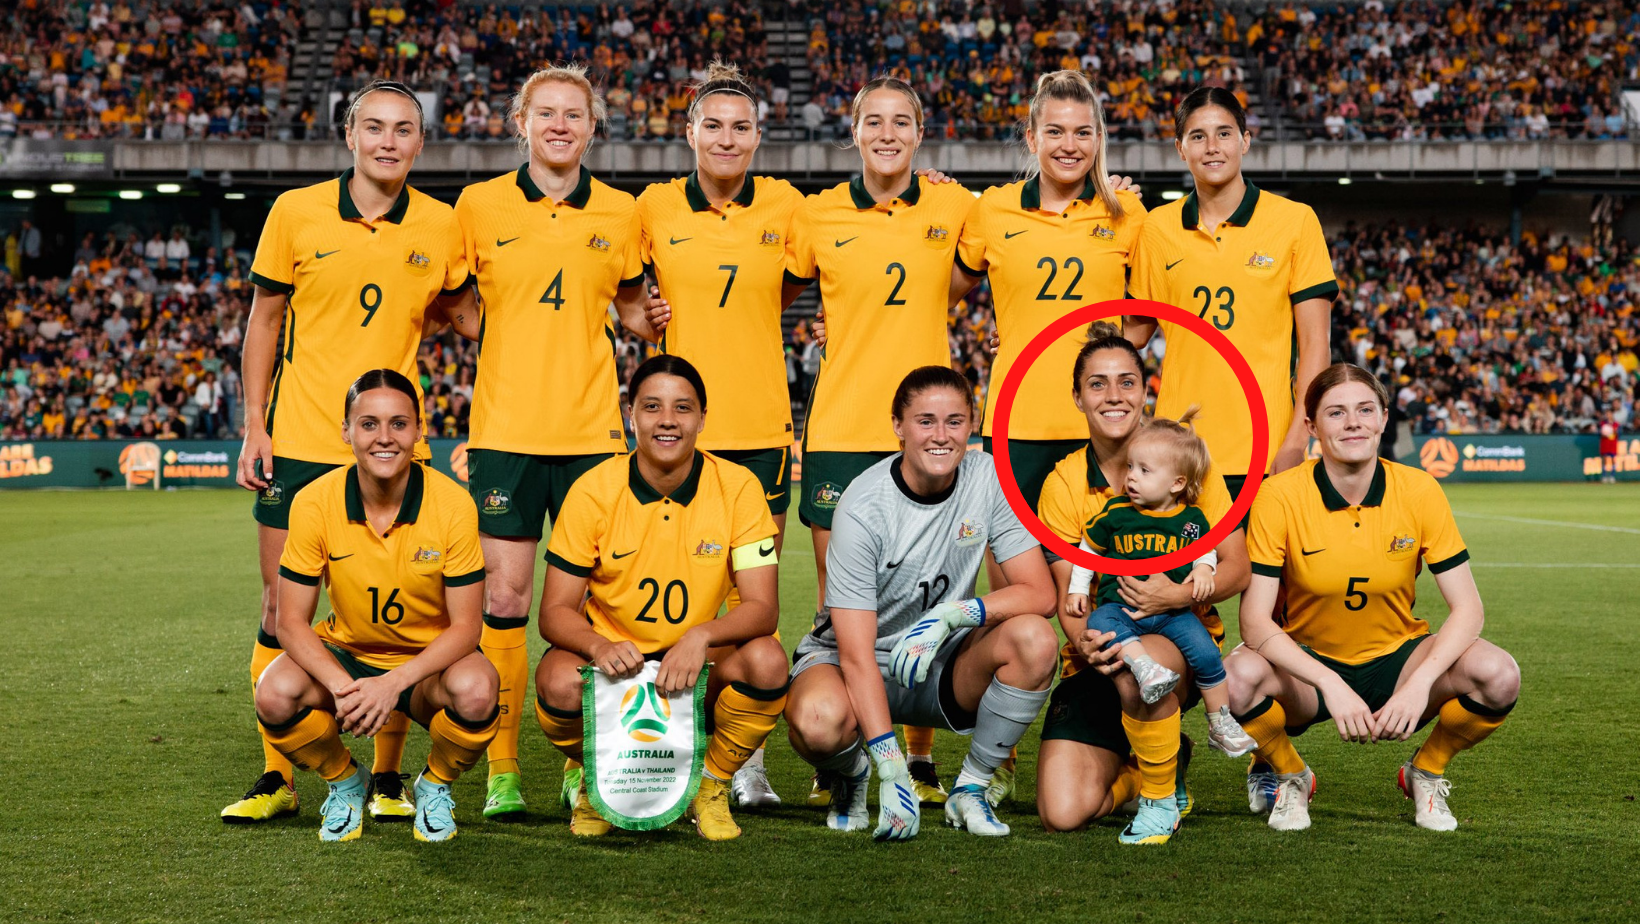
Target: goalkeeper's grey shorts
<point>932,704</point>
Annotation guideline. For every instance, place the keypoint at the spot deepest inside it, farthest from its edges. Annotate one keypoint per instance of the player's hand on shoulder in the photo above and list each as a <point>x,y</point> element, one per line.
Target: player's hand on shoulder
<point>616,659</point>
<point>659,310</point>
<point>935,176</point>
<point>257,447</point>
<point>1120,183</point>
<point>993,343</point>
<point>817,328</point>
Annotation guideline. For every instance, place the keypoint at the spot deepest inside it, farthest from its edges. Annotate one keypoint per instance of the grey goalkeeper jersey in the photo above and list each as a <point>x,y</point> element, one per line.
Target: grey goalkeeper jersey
<point>899,554</point>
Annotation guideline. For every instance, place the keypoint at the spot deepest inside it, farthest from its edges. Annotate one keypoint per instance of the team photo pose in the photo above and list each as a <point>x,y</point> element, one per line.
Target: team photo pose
<point>1098,717</point>
<point>715,241</point>
<point>550,249</point>
<point>346,269</point>
<point>666,532</point>
<point>904,639</point>
<point>396,546</point>
<point>1345,536</point>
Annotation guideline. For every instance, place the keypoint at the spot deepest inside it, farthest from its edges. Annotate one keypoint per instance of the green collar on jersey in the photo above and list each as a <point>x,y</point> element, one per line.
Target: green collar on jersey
<point>1336,501</point>
<point>1191,217</point>
<point>409,508</point>
<point>648,495</point>
<point>578,198</point>
<point>1030,194</point>
<point>698,201</point>
<point>350,212</point>
<point>1096,475</point>
<point>863,200</point>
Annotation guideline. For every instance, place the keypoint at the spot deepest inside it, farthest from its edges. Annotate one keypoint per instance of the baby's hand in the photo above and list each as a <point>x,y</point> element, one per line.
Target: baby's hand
<point>1076,605</point>
<point>1201,583</point>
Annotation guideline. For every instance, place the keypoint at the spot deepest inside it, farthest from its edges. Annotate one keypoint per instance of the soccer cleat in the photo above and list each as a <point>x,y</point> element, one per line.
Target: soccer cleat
<point>1181,792</point>
<point>1155,681</point>
<point>710,811</point>
<point>1291,809</point>
<point>1428,792</point>
<point>571,784</point>
<point>341,818</point>
<point>1225,734</point>
<point>751,788</point>
<point>925,782</point>
<point>1002,784</point>
<point>1261,788</point>
<point>435,811</point>
<point>585,821</point>
<point>1154,823</point>
<point>847,808</point>
<point>387,801</point>
<point>269,798</point>
<point>820,788</point>
<point>969,809</point>
<point>504,801</point>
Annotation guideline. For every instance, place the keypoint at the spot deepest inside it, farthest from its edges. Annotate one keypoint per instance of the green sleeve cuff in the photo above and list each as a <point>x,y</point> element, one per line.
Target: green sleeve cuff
<point>977,274</point>
<point>462,580</point>
<point>1327,290</point>
<point>634,281</point>
<point>1440,567</point>
<point>1267,570</point>
<point>796,280</point>
<point>299,577</point>
<point>564,564</point>
<point>272,285</point>
<point>465,283</point>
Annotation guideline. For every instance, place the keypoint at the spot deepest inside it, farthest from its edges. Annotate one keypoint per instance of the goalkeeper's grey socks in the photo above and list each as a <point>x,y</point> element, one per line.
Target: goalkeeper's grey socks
<point>1004,714</point>
<point>850,761</point>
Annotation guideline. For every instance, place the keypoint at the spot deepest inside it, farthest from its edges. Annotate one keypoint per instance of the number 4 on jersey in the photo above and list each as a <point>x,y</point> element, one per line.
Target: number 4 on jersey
<point>555,293</point>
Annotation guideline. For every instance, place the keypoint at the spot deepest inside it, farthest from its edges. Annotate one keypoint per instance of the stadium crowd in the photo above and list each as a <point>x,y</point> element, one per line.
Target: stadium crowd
<point>1472,334</point>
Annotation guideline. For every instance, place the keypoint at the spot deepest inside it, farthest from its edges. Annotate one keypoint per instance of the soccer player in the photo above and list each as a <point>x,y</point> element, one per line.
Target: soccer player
<point>550,248</point>
<point>1096,721</point>
<point>347,268</point>
<point>645,554</point>
<point>1344,536</point>
<point>905,639</point>
<point>715,242</point>
<point>882,246</point>
<point>396,544</point>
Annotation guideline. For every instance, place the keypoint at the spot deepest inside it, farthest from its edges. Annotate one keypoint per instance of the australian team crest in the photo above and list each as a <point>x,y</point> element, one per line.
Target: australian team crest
<point>970,531</point>
<point>708,549</point>
<point>599,244</point>
<point>1260,261</point>
<point>425,556</point>
<point>1103,233</point>
<point>495,502</point>
<point>936,234</point>
<point>418,260</point>
<point>1402,543</point>
<point>273,495</point>
<point>826,495</point>
<point>1190,532</point>
<point>770,239</point>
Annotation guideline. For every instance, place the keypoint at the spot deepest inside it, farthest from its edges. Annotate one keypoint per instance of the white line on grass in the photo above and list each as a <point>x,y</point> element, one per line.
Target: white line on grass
<point>1566,523</point>
<point>1553,564</point>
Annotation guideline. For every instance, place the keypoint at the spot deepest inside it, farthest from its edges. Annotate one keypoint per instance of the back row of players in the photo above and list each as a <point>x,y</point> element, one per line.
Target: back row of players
<point>528,264</point>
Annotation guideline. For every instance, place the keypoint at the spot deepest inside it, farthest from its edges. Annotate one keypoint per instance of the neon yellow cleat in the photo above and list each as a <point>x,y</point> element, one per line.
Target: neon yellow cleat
<point>585,820</point>
<point>925,782</point>
<point>505,801</point>
<point>820,789</point>
<point>572,783</point>
<point>1002,784</point>
<point>710,811</point>
<point>387,799</point>
<point>269,798</point>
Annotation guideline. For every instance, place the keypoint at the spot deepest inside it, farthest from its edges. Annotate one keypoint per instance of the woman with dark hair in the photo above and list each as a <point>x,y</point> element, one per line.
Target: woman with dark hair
<point>644,553</point>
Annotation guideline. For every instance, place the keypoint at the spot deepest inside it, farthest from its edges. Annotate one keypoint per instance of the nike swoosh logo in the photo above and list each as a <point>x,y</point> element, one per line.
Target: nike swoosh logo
<point>896,564</point>
<point>433,830</point>
<point>622,554</point>
<point>679,240</point>
<point>1308,553</point>
<point>1174,263</point>
<point>841,243</point>
<point>320,256</point>
<point>502,243</point>
<point>340,557</point>
<point>343,825</point>
<point>764,551</point>
<point>774,496</point>
<point>1010,235</point>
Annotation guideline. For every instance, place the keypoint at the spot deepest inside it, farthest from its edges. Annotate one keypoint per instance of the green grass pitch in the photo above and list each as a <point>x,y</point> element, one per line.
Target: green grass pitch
<point>127,623</point>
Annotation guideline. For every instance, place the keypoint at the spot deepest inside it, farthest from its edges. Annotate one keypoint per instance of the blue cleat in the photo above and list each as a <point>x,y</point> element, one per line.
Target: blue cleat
<point>435,811</point>
<point>341,818</point>
<point>1154,823</point>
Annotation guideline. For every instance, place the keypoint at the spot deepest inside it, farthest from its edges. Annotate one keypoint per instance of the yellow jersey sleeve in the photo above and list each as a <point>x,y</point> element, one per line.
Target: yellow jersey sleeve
<point>646,220</point>
<point>1215,499</point>
<point>456,272</point>
<point>274,267</point>
<point>1267,534</point>
<point>464,558</point>
<point>1148,280</point>
<point>1060,506</point>
<point>632,260</point>
<point>752,522</point>
<point>1442,547</point>
<point>1312,274</point>
<point>800,261</point>
<point>577,534</point>
<point>303,560</point>
<point>971,257</point>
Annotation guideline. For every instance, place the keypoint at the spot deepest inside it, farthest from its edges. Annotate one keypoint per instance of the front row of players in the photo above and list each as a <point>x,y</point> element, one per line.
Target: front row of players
<point>904,640</point>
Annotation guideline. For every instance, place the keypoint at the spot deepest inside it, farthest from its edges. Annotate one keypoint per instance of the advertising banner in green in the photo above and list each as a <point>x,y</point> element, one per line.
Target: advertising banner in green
<point>151,464</point>
<point>1505,457</point>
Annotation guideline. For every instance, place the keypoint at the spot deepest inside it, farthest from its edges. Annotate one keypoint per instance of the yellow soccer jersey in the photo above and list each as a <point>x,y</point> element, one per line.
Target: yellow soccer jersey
<point>885,282</point>
<point>357,293</point>
<point>1351,571</point>
<point>661,565</point>
<point>546,273</point>
<point>1043,265</point>
<point>1245,278</point>
<point>721,270</point>
<point>386,592</point>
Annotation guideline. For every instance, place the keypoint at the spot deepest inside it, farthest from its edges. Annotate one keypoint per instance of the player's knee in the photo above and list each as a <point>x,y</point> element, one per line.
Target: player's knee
<point>473,687</point>
<point>1497,676</point>
<point>1059,815</point>
<point>1032,643</point>
<point>820,724</point>
<point>505,602</point>
<point>562,688</point>
<point>1245,672</point>
<point>276,699</point>
<point>764,663</point>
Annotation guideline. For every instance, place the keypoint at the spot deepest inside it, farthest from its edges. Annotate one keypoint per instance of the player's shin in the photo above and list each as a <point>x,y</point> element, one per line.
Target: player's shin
<point>1003,715</point>
<point>390,744</point>
<point>267,648</point>
<point>1463,723</point>
<point>562,727</point>
<point>503,643</point>
<point>1156,745</point>
<point>743,717</point>
<point>457,744</point>
<point>1266,723</point>
<point>312,740</point>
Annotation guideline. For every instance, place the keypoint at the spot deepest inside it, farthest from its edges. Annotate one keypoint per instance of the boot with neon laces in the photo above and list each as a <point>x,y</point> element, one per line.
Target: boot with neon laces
<point>1428,792</point>
<point>968,809</point>
<point>1261,787</point>
<point>925,782</point>
<point>1225,734</point>
<point>750,786</point>
<point>710,811</point>
<point>1290,810</point>
<point>585,821</point>
<point>1002,783</point>
<point>571,784</point>
<point>435,810</point>
<point>387,800</point>
<point>1154,822</point>
<point>271,797</point>
<point>504,799</point>
<point>341,818</point>
<point>820,788</point>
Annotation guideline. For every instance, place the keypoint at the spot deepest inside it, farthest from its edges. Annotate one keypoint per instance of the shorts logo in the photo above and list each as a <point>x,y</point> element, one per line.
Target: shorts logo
<point>1402,543</point>
<point>645,713</point>
<point>770,239</point>
<point>1261,261</point>
<point>1191,532</point>
<point>708,549</point>
<point>418,260</point>
<point>273,495</point>
<point>826,495</point>
<point>970,532</point>
<point>599,244</point>
<point>495,502</point>
<point>936,234</point>
<point>425,556</point>
<point>1103,233</point>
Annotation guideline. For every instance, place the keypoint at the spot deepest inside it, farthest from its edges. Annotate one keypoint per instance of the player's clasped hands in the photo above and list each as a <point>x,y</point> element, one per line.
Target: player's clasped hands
<point>1350,713</point>
<point>363,706</point>
<point>1398,719</point>
<point>617,659</point>
<point>659,310</point>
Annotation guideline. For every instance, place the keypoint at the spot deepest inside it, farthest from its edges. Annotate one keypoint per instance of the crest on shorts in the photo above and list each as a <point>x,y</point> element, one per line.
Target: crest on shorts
<point>1402,543</point>
<point>495,502</point>
<point>708,549</point>
<point>418,260</point>
<point>970,531</point>
<point>770,239</point>
<point>425,556</point>
<point>1191,532</point>
<point>936,234</point>
<point>273,495</point>
<point>1260,261</point>
<point>826,495</point>
<point>1103,233</point>
<point>599,244</point>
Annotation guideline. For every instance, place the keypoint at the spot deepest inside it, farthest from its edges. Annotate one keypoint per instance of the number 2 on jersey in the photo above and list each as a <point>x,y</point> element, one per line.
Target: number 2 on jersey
<point>1071,295</point>
<point>933,590</point>
<point>665,598</point>
<point>1224,313</point>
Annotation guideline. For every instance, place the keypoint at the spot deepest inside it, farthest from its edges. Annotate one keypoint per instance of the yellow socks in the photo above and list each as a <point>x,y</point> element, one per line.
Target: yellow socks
<point>1463,723</point>
<point>1156,745</point>
<point>457,744</point>
<point>390,744</point>
<point>562,727</point>
<point>919,742</point>
<point>1126,787</point>
<point>1267,724</point>
<point>313,742</point>
<point>743,716</point>
<point>267,648</point>
<point>503,643</point>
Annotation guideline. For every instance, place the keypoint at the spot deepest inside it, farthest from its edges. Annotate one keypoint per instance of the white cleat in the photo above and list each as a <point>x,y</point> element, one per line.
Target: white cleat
<point>750,788</point>
<point>848,802</point>
<point>1261,790</point>
<point>967,809</point>
<point>1428,792</point>
<point>1291,809</point>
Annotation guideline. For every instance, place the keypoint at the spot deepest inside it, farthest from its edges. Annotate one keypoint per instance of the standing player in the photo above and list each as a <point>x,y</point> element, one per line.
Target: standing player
<point>348,268</point>
<point>1344,536</point>
<point>715,242</point>
<point>648,550</point>
<point>905,640</point>
<point>882,246</point>
<point>550,248</point>
<point>396,543</point>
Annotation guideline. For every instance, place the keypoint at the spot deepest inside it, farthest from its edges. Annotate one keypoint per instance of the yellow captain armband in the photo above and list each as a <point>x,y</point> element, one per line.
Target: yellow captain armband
<point>755,555</point>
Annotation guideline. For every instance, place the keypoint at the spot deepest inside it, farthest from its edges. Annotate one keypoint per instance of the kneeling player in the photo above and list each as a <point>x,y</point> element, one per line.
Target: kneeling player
<point>397,543</point>
<point>904,640</point>
<point>643,556</point>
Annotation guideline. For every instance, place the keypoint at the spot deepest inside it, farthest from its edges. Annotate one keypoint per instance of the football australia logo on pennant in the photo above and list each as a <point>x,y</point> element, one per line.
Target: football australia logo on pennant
<point>645,713</point>
<point>644,750</point>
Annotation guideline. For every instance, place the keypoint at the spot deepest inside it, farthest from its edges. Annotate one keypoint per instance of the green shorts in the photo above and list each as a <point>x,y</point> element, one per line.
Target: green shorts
<point>1233,483</point>
<point>516,493</point>
<point>826,475</point>
<point>358,669</point>
<point>272,507</point>
<point>773,468</point>
<point>1374,681</point>
<point>1086,708</point>
<point>1034,460</point>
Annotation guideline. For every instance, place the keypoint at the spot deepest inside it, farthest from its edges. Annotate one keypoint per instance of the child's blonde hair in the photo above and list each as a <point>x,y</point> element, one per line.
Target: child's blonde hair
<point>1187,450</point>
